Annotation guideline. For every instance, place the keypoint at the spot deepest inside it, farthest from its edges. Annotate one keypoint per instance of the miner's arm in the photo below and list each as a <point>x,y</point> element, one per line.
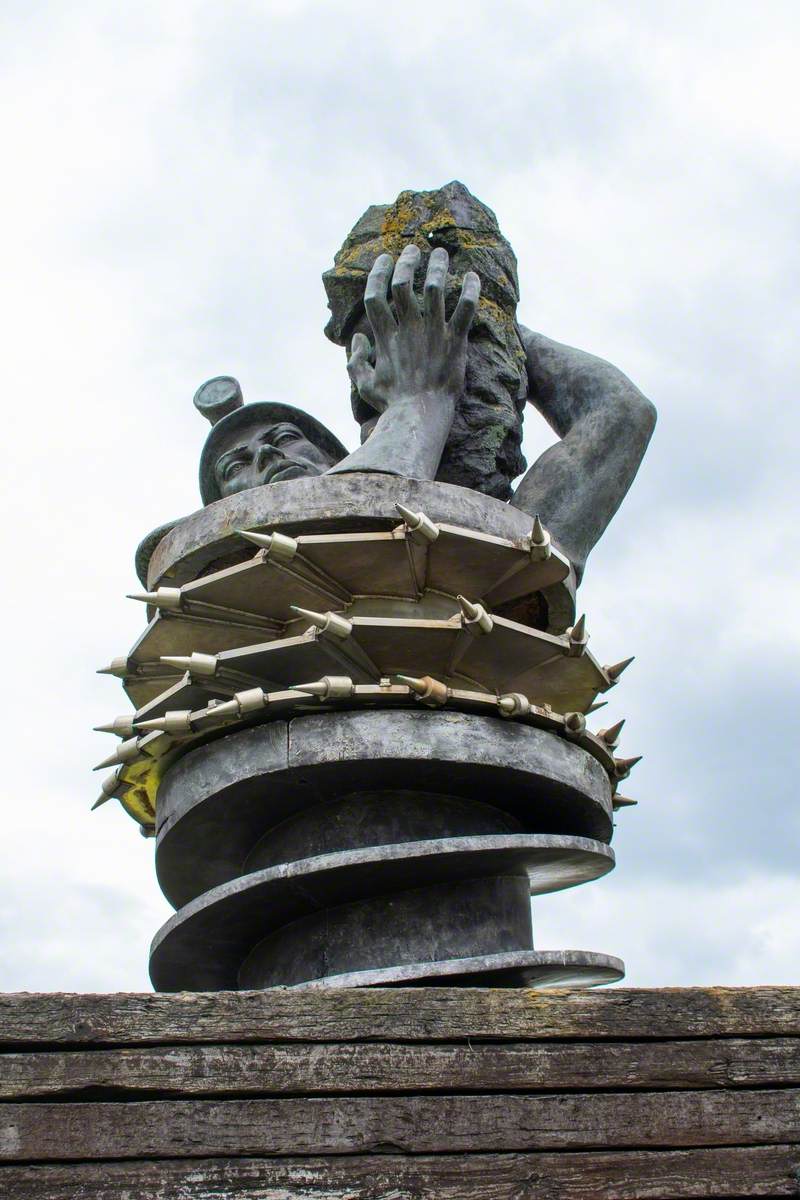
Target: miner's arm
<point>604,423</point>
<point>407,439</point>
<point>419,365</point>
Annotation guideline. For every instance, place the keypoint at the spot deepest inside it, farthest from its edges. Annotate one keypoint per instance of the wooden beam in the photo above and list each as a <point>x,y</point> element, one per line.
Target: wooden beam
<point>324,1068</point>
<point>630,1175</point>
<point>411,1124</point>
<point>389,1014</point>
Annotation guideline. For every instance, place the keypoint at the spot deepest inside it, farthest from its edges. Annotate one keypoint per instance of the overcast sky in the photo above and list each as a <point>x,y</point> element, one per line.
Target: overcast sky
<point>178,175</point>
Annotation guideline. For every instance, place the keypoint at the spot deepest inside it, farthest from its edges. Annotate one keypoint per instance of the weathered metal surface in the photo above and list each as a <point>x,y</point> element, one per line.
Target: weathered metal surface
<point>207,540</point>
<point>331,569</point>
<point>203,946</point>
<point>518,968</point>
<point>217,802</point>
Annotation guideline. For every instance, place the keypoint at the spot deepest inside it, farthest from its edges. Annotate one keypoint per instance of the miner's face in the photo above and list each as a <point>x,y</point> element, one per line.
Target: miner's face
<point>268,455</point>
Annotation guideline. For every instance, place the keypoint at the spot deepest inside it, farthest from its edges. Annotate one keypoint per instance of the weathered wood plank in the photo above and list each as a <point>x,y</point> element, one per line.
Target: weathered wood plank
<point>638,1175</point>
<point>426,1014</point>
<point>319,1068</point>
<point>410,1124</point>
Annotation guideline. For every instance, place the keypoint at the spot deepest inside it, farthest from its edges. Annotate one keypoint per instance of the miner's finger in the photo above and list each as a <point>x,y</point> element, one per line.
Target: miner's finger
<point>359,367</point>
<point>467,306</point>
<point>435,281</point>
<point>376,298</point>
<point>405,302</point>
<point>360,348</point>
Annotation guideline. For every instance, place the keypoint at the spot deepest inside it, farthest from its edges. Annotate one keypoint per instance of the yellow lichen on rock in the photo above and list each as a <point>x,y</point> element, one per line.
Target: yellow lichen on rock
<point>398,217</point>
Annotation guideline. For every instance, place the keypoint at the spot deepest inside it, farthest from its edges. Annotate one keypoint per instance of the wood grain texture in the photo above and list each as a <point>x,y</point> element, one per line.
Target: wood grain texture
<point>629,1175</point>
<point>352,1068</point>
<point>451,1094</point>
<point>408,1124</point>
<point>388,1014</point>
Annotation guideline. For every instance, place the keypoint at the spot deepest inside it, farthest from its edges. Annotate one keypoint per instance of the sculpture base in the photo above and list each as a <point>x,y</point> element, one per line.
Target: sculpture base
<point>297,862</point>
<point>362,773</point>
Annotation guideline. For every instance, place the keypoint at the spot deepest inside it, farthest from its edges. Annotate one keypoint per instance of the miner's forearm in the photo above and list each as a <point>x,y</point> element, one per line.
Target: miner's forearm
<point>408,439</point>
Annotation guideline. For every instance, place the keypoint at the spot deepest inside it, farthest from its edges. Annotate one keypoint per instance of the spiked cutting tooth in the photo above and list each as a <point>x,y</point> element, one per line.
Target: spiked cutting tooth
<point>178,721</point>
<point>578,638</point>
<point>614,671</point>
<point>318,688</point>
<point>624,766</point>
<point>430,691</point>
<point>611,735</point>
<point>578,631</point>
<point>121,726</point>
<point>329,623</point>
<point>181,661</point>
<point>198,664</point>
<point>417,685</point>
<point>594,707</point>
<point>159,723</point>
<point>330,687</point>
<point>476,615</point>
<point>107,789</point>
<point>539,541</point>
<point>163,597</point>
<point>218,714</point>
<point>251,700</point>
<point>338,626</point>
<point>471,611</point>
<point>574,722</point>
<point>418,524</point>
<point>276,545</point>
<point>125,752</point>
<point>117,667</point>
<point>111,761</point>
<point>409,516</point>
<point>204,664</point>
<point>340,687</point>
<point>283,548</point>
<point>262,540</point>
<point>320,620</point>
<point>514,704</point>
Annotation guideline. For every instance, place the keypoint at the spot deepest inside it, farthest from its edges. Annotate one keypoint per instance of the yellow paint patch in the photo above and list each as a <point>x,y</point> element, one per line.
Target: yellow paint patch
<point>143,778</point>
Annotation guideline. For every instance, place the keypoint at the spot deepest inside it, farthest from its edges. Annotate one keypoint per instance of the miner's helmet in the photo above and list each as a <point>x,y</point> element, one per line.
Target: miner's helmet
<point>220,400</point>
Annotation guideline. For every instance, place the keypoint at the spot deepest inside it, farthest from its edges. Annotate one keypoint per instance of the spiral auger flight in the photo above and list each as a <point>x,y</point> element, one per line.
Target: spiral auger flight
<point>361,750</point>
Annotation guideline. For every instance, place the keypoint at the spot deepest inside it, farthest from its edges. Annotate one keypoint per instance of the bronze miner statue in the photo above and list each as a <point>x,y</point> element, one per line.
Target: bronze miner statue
<point>362,749</point>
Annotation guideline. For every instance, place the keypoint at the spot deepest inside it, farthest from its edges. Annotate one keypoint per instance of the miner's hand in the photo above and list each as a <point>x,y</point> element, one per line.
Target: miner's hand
<point>417,354</point>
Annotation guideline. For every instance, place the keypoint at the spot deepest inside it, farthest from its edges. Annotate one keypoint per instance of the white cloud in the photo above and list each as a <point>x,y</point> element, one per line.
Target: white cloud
<point>739,932</point>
